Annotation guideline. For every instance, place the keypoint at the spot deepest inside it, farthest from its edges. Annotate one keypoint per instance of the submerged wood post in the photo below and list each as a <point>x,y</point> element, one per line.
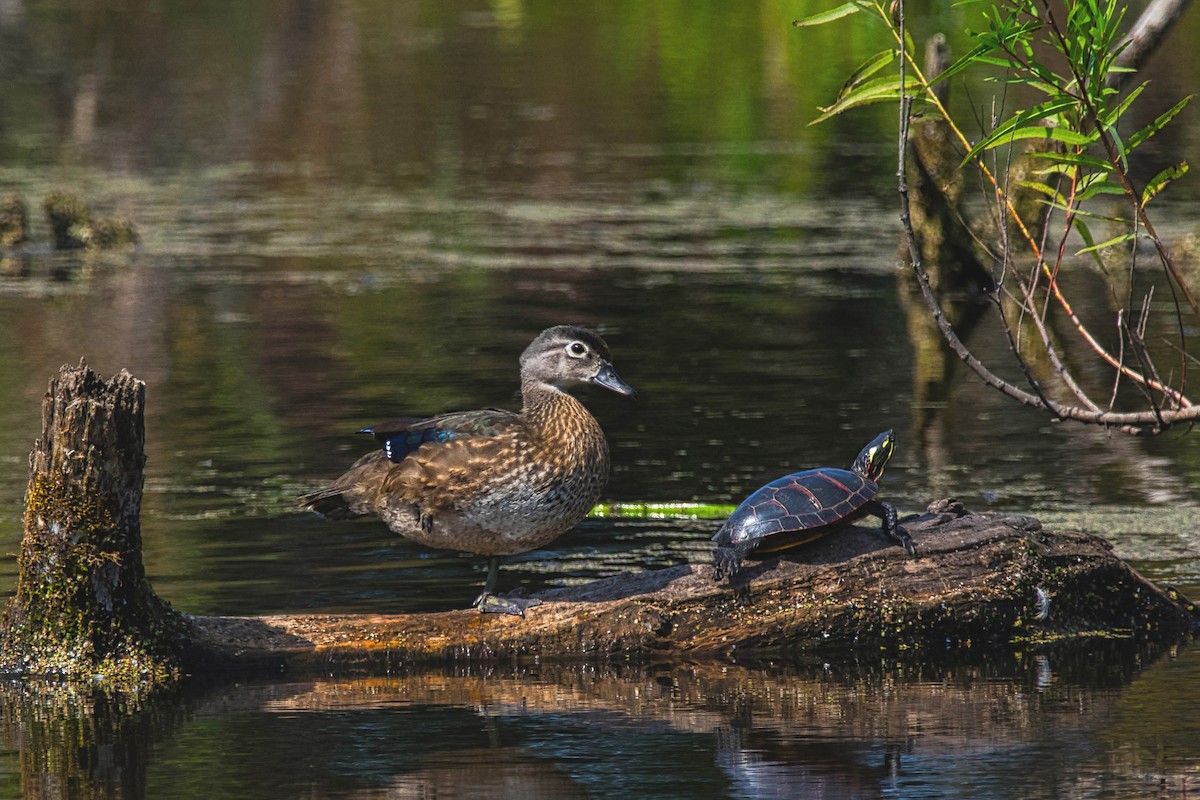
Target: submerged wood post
<point>83,607</point>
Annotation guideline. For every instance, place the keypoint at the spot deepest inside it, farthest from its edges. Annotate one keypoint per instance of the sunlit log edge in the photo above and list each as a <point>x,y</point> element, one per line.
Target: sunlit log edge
<point>978,581</point>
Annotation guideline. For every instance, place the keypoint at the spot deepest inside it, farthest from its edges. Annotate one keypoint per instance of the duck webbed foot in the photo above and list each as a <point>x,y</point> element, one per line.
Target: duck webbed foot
<point>488,603</point>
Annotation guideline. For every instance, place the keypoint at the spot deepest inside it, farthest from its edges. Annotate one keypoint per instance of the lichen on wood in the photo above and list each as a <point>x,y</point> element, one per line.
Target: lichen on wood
<point>83,607</point>
<point>72,224</point>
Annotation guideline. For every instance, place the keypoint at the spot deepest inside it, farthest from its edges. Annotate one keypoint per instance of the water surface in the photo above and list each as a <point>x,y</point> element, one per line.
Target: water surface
<point>1064,723</point>
<point>351,211</point>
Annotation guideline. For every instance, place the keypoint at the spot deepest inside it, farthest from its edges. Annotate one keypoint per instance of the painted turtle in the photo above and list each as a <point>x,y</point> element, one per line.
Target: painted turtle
<point>803,506</point>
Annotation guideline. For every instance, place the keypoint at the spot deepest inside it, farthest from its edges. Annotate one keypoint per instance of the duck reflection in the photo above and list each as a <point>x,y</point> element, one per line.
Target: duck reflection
<point>764,765</point>
<point>711,730</point>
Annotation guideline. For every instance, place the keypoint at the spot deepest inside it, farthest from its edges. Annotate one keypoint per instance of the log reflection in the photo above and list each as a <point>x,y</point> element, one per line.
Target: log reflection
<point>579,730</point>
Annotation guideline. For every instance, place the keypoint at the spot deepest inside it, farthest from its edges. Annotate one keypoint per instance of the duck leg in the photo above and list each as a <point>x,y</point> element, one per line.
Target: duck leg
<point>489,603</point>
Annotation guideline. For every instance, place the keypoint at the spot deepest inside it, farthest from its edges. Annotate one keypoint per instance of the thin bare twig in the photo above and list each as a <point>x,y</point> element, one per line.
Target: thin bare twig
<point>1037,250</point>
<point>1133,422</point>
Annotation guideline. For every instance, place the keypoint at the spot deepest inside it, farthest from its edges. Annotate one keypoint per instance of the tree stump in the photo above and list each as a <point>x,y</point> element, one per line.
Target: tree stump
<point>83,607</point>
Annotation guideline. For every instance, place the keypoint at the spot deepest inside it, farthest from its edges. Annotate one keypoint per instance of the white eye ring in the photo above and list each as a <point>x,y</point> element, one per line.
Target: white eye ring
<point>577,350</point>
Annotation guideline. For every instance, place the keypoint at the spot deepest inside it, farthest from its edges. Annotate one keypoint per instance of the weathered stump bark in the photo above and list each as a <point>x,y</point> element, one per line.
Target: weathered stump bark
<point>83,607</point>
<point>978,581</point>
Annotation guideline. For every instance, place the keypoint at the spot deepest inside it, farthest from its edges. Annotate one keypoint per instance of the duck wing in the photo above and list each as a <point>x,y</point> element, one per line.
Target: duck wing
<point>394,471</point>
<point>402,436</point>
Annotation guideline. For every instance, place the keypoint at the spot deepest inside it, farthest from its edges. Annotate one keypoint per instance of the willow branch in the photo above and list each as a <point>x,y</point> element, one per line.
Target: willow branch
<point>1138,422</point>
<point>1084,332</point>
<point>1114,158</point>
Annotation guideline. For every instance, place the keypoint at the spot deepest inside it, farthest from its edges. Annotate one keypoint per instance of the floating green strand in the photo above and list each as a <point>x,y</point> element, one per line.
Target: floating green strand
<point>661,511</point>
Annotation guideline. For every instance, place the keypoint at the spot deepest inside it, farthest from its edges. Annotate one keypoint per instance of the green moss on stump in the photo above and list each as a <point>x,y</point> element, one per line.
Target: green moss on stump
<point>83,609</point>
<point>14,221</point>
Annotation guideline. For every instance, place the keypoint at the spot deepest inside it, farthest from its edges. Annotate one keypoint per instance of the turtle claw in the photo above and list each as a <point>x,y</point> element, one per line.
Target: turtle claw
<point>488,603</point>
<point>901,537</point>
<point>726,563</point>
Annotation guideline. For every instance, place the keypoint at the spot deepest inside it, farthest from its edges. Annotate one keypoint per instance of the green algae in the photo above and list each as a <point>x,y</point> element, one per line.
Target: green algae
<point>633,510</point>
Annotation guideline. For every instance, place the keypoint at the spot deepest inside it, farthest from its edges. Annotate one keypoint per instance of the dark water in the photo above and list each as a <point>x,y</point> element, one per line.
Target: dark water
<point>352,211</point>
<point>1053,725</point>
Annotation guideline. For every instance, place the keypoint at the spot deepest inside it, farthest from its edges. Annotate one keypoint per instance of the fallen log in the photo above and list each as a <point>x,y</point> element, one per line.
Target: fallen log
<point>84,609</point>
<point>979,580</point>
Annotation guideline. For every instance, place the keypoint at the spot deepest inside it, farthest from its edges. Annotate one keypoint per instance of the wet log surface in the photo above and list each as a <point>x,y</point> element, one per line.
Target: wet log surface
<point>978,580</point>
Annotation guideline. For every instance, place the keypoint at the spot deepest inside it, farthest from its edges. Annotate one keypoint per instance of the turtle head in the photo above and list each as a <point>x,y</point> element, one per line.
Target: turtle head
<point>874,457</point>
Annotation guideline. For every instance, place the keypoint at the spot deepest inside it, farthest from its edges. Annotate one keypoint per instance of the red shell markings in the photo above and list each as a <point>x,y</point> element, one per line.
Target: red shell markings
<point>807,500</point>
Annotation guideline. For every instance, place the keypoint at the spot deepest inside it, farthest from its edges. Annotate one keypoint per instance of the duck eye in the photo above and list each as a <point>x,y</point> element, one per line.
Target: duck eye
<point>577,350</point>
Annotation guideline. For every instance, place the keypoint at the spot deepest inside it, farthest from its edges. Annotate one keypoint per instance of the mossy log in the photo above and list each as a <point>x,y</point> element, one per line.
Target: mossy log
<point>83,607</point>
<point>978,580</point>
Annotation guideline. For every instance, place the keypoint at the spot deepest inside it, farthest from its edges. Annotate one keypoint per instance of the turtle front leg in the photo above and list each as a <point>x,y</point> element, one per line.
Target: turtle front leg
<point>727,560</point>
<point>891,525</point>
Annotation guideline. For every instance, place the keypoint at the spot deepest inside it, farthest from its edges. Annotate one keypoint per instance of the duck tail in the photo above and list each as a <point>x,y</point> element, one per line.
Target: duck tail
<point>355,493</point>
<point>329,502</point>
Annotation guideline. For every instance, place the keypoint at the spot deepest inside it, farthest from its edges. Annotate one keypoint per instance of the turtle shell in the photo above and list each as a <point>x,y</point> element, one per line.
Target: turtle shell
<point>798,508</point>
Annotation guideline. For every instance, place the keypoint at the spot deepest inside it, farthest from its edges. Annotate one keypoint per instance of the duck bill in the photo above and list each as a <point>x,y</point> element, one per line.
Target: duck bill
<point>609,379</point>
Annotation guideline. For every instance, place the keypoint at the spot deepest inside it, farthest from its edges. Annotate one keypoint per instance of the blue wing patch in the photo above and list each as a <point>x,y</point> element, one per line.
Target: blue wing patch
<point>398,444</point>
<point>403,435</point>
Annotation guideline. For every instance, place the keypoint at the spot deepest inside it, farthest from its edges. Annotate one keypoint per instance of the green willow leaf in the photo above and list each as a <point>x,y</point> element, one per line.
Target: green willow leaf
<point>1003,62</point>
<point>1003,132</point>
<point>971,58</point>
<point>1122,150</point>
<point>1078,211</point>
<point>1098,187</point>
<point>1158,124</point>
<point>842,11</point>
<point>1042,188</point>
<point>1056,170</point>
<point>1080,160</point>
<point>1160,181</point>
<point>866,70</point>
<point>1109,119</point>
<point>1064,135</point>
<point>872,91</point>
<point>1124,237</point>
<point>1085,233</point>
<point>985,52</point>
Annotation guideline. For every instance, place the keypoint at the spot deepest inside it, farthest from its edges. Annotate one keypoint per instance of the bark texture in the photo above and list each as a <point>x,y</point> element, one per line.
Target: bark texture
<point>978,580</point>
<point>83,607</point>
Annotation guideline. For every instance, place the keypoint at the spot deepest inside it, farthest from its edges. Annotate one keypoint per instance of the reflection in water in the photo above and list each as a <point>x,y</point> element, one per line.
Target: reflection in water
<point>63,741</point>
<point>1088,722</point>
<point>355,210</point>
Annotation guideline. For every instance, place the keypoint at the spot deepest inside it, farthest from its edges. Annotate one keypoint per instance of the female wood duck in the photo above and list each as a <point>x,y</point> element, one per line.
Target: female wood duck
<point>491,482</point>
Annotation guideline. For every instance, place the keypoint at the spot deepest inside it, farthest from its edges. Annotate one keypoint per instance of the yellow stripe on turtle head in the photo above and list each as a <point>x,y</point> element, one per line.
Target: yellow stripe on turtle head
<point>875,456</point>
